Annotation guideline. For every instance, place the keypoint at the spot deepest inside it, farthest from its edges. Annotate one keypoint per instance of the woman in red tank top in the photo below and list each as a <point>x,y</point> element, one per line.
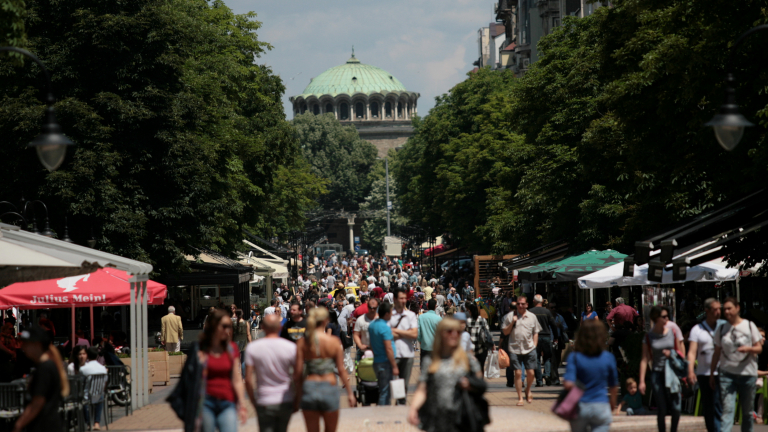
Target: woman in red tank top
<point>221,371</point>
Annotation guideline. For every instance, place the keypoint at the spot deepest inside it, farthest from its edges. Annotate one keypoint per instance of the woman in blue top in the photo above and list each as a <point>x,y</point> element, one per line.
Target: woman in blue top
<point>589,313</point>
<point>595,369</point>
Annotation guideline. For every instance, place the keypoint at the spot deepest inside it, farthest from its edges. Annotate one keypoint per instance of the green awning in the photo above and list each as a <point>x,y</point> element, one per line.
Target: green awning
<point>571,267</point>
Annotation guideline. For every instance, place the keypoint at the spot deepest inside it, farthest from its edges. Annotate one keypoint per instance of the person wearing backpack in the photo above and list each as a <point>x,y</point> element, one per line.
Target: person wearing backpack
<point>658,346</point>
<point>737,344</point>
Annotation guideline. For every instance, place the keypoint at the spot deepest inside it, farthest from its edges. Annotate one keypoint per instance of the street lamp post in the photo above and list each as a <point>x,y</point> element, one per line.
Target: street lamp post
<point>51,145</point>
<point>729,124</point>
<point>389,204</point>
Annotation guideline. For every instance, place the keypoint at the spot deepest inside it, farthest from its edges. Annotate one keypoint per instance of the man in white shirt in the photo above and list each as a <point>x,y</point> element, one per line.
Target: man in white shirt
<point>271,309</point>
<point>269,362</point>
<point>702,346</point>
<point>360,335</point>
<point>93,367</point>
<point>523,329</point>
<point>405,330</point>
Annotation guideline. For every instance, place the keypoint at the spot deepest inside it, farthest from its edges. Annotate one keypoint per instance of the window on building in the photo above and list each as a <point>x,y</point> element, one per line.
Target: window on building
<point>555,22</point>
<point>316,109</point>
<point>303,108</point>
<point>374,110</point>
<point>328,108</point>
<point>388,109</point>
<point>399,110</point>
<point>359,110</point>
<point>343,111</point>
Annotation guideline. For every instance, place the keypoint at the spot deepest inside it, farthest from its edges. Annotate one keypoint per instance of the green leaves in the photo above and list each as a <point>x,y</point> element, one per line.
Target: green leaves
<point>601,142</point>
<point>336,153</point>
<point>181,138</point>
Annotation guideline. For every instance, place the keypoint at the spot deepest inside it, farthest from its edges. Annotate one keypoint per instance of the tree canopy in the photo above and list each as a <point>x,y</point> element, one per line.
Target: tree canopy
<point>181,136</point>
<point>338,154</point>
<point>602,141</point>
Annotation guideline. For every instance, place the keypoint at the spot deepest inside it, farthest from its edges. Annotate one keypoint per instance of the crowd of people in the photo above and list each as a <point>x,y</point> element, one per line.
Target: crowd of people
<point>313,338</point>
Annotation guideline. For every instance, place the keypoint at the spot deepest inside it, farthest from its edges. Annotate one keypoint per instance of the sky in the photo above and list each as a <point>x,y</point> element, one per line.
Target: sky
<point>429,45</point>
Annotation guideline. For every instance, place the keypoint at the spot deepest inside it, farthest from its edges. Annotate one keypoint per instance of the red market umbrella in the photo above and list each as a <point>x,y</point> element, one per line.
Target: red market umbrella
<point>434,250</point>
<point>104,287</point>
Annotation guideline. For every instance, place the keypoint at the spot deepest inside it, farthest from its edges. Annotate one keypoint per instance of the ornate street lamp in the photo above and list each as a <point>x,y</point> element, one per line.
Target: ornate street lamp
<point>51,145</point>
<point>728,123</point>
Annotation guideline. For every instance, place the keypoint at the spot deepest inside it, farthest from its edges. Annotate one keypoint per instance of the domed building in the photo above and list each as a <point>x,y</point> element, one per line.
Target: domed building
<point>370,98</point>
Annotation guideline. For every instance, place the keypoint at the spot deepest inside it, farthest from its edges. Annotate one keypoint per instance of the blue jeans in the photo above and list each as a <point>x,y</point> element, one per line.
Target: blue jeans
<point>384,376</point>
<point>711,404</point>
<point>667,402</point>
<point>729,386</point>
<point>96,413</point>
<point>596,415</point>
<point>219,414</point>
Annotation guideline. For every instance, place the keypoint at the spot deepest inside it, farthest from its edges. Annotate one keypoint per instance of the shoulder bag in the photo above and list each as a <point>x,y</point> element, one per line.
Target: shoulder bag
<point>566,405</point>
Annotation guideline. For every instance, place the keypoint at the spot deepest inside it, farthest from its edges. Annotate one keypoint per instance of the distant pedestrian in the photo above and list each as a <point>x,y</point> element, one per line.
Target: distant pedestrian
<point>589,313</point>
<point>701,348</point>
<point>595,369</point>
<point>93,367</point>
<point>268,381</point>
<point>544,343</point>
<point>405,329</point>
<point>294,329</point>
<point>559,333</point>
<point>621,313</point>
<point>360,334</point>
<point>523,329</point>
<point>478,329</point>
<point>242,336</point>
<point>427,326</point>
<point>737,345</point>
<point>383,346</point>
<point>658,347</point>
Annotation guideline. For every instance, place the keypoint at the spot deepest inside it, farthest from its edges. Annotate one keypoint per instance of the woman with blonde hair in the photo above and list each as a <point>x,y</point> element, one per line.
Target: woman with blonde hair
<point>448,368</point>
<point>321,355</point>
<point>48,386</point>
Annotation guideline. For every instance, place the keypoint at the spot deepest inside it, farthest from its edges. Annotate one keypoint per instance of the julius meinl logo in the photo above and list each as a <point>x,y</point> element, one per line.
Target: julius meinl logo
<point>49,299</point>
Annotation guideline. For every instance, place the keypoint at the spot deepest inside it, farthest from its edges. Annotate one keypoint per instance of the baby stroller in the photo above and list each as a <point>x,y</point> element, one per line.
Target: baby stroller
<point>367,390</point>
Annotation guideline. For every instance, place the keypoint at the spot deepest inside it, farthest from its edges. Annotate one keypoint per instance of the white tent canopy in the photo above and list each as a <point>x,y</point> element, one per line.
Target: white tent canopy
<point>613,276</point>
<point>80,257</point>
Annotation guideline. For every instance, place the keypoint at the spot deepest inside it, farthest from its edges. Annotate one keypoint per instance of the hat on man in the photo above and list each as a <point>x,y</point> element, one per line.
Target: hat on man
<point>461,316</point>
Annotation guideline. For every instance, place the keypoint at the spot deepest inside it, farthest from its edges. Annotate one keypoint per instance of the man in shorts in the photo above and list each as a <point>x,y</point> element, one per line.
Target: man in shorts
<point>523,329</point>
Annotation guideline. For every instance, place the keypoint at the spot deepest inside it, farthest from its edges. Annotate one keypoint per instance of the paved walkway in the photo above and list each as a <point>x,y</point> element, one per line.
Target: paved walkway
<point>535,416</point>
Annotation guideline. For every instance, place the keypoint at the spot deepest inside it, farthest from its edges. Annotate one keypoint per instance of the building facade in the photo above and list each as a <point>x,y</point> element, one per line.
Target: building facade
<point>527,21</point>
<point>365,96</point>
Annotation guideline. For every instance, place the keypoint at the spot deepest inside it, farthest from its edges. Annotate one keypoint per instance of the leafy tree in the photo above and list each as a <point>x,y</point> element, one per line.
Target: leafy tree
<point>455,155</point>
<point>336,153</point>
<point>601,142</point>
<point>375,208</point>
<point>12,23</point>
<point>181,138</point>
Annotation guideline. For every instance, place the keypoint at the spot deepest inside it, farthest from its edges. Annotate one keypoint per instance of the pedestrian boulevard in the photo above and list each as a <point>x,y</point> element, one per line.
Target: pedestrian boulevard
<point>536,416</point>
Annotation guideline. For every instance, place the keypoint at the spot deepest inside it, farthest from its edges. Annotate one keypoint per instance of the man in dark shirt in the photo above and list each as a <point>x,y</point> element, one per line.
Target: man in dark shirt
<point>544,347</point>
<point>295,327</point>
<point>44,392</point>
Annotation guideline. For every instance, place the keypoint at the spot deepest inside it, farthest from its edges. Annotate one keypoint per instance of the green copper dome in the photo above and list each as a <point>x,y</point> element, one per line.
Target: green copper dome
<point>352,78</point>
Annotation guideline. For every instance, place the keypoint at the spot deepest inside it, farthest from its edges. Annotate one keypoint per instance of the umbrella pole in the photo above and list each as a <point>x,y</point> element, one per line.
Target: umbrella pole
<point>91,323</point>
<point>74,336</point>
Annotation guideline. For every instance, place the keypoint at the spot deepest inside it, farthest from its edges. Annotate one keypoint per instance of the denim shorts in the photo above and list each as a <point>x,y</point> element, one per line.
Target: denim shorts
<point>319,396</point>
<point>522,361</point>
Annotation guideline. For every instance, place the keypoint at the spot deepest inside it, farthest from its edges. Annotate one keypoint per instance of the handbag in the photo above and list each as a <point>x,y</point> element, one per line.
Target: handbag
<point>492,369</point>
<point>566,405</point>
<point>472,413</point>
<point>503,359</point>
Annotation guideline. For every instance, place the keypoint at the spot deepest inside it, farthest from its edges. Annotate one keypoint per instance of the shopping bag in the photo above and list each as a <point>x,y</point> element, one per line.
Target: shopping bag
<point>349,362</point>
<point>397,388</point>
<point>503,359</point>
<point>492,369</point>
